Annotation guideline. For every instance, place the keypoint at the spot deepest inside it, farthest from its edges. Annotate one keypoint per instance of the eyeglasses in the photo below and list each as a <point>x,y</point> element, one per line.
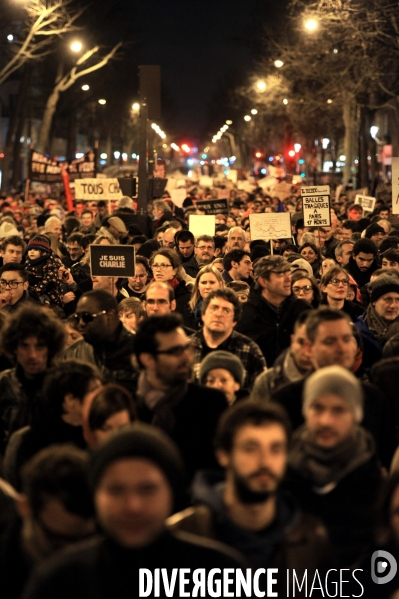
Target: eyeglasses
<point>337,282</point>
<point>158,302</point>
<point>177,350</point>
<point>306,289</point>
<point>208,248</point>
<point>87,317</point>
<point>10,284</point>
<point>161,266</point>
<point>215,308</point>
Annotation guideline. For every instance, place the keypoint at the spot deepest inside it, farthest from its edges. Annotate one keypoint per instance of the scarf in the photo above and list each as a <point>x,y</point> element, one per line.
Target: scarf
<point>325,467</point>
<point>161,403</point>
<point>378,324</point>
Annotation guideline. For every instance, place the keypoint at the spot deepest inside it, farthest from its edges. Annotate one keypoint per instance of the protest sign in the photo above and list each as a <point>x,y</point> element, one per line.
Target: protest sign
<point>178,196</point>
<point>42,168</point>
<point>112,260</point>
<point>202,224</point>
<point>270,225</point>
<point>213,206</point>
<point>366,202</point>
<point>97,189</point>
<point>206,181</point>
<point>316,206</point>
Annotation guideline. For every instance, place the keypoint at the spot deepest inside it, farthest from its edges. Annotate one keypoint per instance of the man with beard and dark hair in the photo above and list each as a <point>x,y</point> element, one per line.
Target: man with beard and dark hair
<point>244,507</point>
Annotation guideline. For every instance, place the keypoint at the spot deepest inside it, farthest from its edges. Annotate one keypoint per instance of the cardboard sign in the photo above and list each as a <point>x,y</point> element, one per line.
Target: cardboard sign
<point>44,169</point>
<point>270,225</point>
<point>112,260</point>
<point>366,202</point>
<point>97,189</point>
<point>316,206</point>
<point>213,206</point>
<point>282,190</point>
<point>395,185</point>
<point>206,181</point>
<point>178,196</point>
<point>202,224</point>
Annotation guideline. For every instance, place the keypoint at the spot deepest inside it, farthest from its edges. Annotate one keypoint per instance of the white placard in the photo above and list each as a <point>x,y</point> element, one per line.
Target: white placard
<point>206,181</point>
<point>202,224</point>
<point>316,206</point>
<point>395,185</point>
<point>97,189</point>
<point>178,196</point>
<point>232,175</point>
<point>366,202</point>
<point>270,225</point>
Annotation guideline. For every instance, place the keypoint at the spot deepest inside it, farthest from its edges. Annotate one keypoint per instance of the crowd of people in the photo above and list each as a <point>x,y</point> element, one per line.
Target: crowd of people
<point>233,404</point>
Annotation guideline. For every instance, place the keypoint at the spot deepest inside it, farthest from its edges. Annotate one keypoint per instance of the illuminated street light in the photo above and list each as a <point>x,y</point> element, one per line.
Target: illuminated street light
<point>311,25</point>
<point>229,122</point>
<point>247,117</point>
<point>325,141</point>
<point>329,101</point>
<point>261,85</point>
<point>254,111</point>
<point>278,64</point>
<point>102,101</point>
<point>10,37</point>
<point>285,101</point>
<point>136,106</point>
<point>76,46</point>
<point>85,87</point>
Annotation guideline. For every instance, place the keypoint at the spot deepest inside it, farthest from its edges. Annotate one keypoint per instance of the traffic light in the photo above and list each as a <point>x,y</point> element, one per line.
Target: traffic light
<point>258,154</point>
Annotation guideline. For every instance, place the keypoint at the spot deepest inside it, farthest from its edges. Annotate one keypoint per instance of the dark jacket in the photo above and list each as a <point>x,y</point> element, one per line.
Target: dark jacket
<point>348,508</point>
<point>182,297</point>
<point>378,415</point>
<point>270,329</point>
<point>191,267</point>
<point>350,308</point>
<point>361,277</point>
<point>295,540</point>
<point>190,422</point>
<point>101,569</point>
<point>372,351</point>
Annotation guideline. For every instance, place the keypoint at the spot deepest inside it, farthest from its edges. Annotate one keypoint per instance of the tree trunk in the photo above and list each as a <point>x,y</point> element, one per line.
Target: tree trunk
<point>8,148</point>
<point>44,134</point>
<point>351,133</point>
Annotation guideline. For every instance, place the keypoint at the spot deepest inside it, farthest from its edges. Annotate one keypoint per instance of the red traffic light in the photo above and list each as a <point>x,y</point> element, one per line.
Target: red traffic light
<point>258,154</point>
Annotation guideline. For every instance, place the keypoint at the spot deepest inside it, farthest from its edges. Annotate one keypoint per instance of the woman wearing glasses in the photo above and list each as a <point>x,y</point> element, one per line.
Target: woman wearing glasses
<point>305,287</point>
<point>166,267</point>
<point>334,285</point>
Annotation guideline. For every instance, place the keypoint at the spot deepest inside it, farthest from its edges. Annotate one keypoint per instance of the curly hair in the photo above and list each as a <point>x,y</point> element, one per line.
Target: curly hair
<point>33,321</point>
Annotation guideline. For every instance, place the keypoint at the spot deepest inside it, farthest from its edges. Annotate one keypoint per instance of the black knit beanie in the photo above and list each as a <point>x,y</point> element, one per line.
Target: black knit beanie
<point>139,441</point>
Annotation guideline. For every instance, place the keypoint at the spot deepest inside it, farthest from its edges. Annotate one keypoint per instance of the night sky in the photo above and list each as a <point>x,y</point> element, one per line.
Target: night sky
<point>199,45</point>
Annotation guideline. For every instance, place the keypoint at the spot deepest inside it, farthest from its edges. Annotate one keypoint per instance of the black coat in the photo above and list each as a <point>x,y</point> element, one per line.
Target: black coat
<point>195,420</point>
<point>378,415</point>
<point>103,570</point>
<point>361,277</point>
<point>271,331</point>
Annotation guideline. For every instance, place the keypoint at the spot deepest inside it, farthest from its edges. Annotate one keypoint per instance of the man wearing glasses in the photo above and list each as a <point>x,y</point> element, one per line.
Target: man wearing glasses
<point>14,287</point>
<point>112,344</point>
<point>164,396</point>
<point>204,253</point>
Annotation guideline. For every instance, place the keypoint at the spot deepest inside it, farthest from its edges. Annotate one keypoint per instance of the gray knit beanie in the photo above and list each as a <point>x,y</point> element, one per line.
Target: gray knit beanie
<point>222,359</point>
<point>335,380</point>
<point>382,285</point>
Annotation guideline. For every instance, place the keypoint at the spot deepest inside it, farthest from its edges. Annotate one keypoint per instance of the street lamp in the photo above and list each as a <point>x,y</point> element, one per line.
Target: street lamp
<point>136,107</point>
<point>311,24</point>
<point>254,111</point>
<point>102,101</point>
<point>247,118</point>
<point>261,85</point>
<point>278,64</point>
<point>76,46</point>
<point>85,87</point>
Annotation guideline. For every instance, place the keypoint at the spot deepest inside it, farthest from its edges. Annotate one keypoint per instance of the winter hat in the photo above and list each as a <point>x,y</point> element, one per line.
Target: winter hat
<point>239,286</point>
<point>373,229</point>
<point>38,244</point>
<point>118,223</point>
<point>336,380</point>
<point>138,441</point>
<point>270,264</point>
<point>301,264</point>
<point>222,359</point>
<point>382,285</point>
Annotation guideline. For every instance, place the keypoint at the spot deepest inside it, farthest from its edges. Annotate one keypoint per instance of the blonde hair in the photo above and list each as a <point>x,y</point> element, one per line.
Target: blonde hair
<point>195,296</point>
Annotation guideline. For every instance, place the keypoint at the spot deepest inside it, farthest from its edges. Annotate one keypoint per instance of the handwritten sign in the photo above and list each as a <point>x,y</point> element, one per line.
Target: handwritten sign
<point>316,206</point>
<point>97,189</point>
<point>112,260</point>
<point>270,225</point>
<point>46,170</point>
<point>366,202</point>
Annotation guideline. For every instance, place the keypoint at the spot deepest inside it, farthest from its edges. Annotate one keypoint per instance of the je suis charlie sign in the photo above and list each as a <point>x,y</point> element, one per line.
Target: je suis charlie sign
<point>112,261</point>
